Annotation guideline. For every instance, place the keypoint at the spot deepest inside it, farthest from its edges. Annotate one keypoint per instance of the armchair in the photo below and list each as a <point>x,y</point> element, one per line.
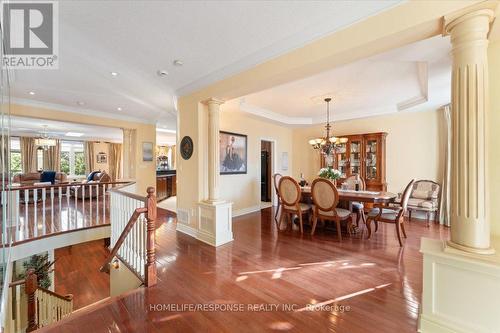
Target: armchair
<point>425,196</point>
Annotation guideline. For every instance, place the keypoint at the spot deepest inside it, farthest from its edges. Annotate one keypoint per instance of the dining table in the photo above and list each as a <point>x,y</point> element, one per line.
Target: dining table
<point>375,197</point>
<point>350,196</point>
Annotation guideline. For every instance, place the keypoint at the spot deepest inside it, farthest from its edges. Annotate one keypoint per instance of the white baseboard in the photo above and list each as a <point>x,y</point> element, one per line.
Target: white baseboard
<point>247,210</point>
<point>185,229</point>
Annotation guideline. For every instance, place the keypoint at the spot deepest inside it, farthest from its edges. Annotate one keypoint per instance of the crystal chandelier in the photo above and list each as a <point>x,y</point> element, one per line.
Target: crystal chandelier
<point>327,144</point>
<point>44,141</point>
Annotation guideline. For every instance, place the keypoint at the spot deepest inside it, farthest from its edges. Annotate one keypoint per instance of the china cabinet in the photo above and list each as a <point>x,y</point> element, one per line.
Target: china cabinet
<point>362,154</point>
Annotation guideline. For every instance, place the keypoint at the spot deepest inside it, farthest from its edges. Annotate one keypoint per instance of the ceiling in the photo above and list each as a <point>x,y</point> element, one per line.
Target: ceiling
<point>414,77</point>
<point>213,39</point>
<point>21,126</point>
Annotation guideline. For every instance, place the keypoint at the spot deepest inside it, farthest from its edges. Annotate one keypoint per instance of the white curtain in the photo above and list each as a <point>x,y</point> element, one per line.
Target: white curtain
<point>444,208</point>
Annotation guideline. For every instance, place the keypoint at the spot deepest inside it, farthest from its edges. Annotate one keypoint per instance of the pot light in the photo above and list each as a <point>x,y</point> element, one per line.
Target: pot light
<point>81,103</point>
<point>32,93</point>
<point>178,62</point>
<point>119,108</point>
<point>114,73</point>
<point>162,73</point>
<point>74,134</point>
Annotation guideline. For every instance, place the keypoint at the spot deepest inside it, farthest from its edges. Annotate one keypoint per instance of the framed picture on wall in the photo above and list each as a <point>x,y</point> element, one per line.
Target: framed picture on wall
<point>102,158</point>
<point>233,153</point>
<point>147,151</point>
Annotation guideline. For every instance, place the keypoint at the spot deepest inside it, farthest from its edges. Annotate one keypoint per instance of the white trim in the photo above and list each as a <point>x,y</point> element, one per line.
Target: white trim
<point>185,229</point>
<point>27,249</point>
<point>79,110</point>
<point>246,210</point>
<point>268,114</point>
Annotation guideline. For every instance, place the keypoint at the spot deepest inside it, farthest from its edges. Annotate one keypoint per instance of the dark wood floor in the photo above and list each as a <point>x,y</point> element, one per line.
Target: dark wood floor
<point>363,285</point>
<point>77,272</point>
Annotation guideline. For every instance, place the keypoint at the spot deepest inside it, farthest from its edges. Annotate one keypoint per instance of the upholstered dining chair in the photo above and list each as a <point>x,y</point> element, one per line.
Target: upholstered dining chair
<point>290,194</point>
<point>392,214</point>
<point>325,198</point>
<point>276,181</point>
<point>357,207</point>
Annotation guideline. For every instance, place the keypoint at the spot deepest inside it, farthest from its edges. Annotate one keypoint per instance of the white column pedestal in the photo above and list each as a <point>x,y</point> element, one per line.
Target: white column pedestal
<point>460,290</point>
<point>215,222</point>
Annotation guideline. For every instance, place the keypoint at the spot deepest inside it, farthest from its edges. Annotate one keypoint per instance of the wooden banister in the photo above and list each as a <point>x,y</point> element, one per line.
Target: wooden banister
<point>124,234</point>
<point>150,279</point>
<point>149,210</point>
<point>66,184</point>
<point>30,289</point>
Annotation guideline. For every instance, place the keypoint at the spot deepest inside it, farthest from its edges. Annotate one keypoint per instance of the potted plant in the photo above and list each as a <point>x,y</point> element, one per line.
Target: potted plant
<point>329,173</point>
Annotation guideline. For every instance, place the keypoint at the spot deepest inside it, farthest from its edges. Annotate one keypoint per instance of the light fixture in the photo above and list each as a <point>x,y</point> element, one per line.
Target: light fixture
<point>178,62</point>
<point>44,141</point>
<point>327,144</point>
<point>161,73</point>
<point>119,108</point>
<point>74,134</point>
<point>114,73</point>
<point>80,103</point>
<point>31,93</point>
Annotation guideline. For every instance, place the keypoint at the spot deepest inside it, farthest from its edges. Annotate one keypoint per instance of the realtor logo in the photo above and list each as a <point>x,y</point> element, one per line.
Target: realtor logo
<point>30,35</point>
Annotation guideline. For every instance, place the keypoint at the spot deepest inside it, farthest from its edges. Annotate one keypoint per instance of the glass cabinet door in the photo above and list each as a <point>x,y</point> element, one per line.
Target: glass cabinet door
<point>355,147</point>
<point>341,159</point>
<point>372,147</point>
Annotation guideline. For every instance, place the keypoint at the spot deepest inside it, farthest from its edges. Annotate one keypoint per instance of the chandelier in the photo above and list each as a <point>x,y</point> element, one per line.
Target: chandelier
<point>327,144</point>
<point>45,141</point>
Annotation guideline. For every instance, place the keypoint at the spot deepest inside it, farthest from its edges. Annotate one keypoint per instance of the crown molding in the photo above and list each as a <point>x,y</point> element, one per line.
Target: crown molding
<point>83,111</point>
<point>271,115</point>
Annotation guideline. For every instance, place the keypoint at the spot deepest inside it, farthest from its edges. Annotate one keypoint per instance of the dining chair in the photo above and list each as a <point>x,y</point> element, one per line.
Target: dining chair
<point>276,181</point>
<point>392,214</point>
<point>290,194</point>
<point>325,198</point>
<point>357,207</point>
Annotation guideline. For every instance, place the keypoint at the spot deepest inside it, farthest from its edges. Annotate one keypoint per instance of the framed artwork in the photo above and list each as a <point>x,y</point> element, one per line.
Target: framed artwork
<point>233,153</point>
<point>102,158</point>
<point>186,147</point>
<point>147,151</point>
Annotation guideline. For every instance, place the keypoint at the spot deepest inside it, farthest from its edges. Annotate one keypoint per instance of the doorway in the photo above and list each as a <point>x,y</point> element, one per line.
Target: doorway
<point>266,159</point>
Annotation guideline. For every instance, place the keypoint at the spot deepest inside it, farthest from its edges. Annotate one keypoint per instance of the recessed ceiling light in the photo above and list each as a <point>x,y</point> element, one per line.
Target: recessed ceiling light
<point>114,73</point>
<point>119,108</point>
<point>75,134</point>
<point>81,103</point>
<point>31,92</point>
<point>162,73</point>
<point>178,62</point>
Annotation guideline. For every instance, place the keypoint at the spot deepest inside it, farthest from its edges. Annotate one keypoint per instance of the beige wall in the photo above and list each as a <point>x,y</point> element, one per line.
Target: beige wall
<point>244,189</point>
<point>493,140</point>
<point>98,148</point>
<point>415,147</point>
<point>145,171</point>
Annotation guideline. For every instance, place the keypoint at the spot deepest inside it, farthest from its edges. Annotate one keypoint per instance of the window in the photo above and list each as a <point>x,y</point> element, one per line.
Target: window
<point>15,155</point>
<point>72,158</point>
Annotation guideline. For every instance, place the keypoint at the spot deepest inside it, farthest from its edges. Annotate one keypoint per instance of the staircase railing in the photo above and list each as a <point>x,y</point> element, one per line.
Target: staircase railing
<point>35,307</point>
<point>37,211</point>
<point>133,233</point>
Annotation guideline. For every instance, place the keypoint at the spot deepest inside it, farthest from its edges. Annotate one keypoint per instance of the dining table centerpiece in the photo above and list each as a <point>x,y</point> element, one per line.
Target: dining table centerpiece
<point>329,173</point>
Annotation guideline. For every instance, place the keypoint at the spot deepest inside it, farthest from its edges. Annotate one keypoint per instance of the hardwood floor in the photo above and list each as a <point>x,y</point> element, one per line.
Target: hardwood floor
<point>364,285</point>
<point>39,220</point>
<point>77,272</point>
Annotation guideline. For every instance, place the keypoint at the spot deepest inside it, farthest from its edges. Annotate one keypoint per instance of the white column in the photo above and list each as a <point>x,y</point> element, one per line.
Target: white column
<point>213,149</point>
<point>470,230</point>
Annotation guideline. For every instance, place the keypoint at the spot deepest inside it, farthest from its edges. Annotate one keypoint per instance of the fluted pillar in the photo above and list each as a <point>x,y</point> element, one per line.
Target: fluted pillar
<point>470,230</point>
<point>213,149</point>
